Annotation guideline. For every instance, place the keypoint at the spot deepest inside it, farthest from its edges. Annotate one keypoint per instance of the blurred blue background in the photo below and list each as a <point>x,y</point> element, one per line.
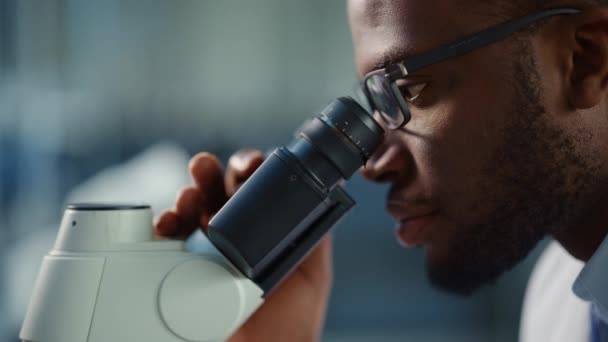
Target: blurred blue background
<point>97,93</point>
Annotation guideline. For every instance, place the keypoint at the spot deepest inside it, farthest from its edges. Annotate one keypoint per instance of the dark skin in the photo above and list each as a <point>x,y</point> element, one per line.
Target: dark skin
<point>496,160</point>
<point>573,92</point>
<point>506,156</point>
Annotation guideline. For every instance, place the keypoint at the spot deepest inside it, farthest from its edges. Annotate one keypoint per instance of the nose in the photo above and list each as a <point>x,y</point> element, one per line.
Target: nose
<point>391,161</point>
<point>384,166</point>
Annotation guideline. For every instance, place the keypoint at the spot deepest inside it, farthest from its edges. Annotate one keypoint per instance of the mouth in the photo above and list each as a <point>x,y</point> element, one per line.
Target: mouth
<point>414,231</point>
<point>413,223</point>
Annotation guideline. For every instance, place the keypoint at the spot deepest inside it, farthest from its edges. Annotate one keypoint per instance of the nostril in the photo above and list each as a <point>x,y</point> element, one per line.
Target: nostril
<point>386,177</point>
<point>382,177</point>
<point>388,164</point>
<point>377,175</point>
<point>368,172</point>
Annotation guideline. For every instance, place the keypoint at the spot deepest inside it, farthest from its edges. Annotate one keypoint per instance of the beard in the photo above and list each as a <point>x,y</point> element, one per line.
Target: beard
<point>537,182</point>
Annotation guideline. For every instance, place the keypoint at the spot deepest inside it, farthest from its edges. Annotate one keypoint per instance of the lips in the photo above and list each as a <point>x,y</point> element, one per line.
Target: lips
<point>414,232</point>
<point>413,221</point>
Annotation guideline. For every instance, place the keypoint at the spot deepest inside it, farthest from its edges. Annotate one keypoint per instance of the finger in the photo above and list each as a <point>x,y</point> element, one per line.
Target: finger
<point>189,207</point>
<point>167,224</point>
<point>206,171</point>
<point>241,165</point>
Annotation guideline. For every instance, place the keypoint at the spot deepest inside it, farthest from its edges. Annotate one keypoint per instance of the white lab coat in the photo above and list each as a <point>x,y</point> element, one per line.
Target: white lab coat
<point>551,311</point>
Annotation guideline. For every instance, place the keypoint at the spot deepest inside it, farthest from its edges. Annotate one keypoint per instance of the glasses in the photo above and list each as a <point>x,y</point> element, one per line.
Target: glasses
<point>382,93</point>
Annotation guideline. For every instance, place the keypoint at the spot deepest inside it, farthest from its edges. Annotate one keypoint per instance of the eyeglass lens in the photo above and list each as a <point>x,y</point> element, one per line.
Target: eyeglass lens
<point>384,100</point>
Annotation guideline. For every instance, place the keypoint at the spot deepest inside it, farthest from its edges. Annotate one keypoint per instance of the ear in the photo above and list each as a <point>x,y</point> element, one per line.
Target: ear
<point>588,81</point>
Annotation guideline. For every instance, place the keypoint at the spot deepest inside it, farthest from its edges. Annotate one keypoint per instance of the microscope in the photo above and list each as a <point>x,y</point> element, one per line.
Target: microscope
<point>107,279</point>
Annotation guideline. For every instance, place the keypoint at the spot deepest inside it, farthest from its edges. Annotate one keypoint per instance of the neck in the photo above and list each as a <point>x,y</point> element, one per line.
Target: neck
<point>583,240</point>
<point>582,245</point>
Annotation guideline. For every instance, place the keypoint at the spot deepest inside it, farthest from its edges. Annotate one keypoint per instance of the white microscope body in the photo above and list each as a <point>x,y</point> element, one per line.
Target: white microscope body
<point>108,280</point>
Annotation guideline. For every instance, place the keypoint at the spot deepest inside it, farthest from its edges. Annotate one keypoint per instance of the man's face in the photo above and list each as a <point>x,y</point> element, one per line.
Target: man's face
<point>482,171</point>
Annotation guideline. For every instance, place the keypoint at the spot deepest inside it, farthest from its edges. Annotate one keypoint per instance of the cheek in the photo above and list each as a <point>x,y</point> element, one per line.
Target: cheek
<point>455,141</point>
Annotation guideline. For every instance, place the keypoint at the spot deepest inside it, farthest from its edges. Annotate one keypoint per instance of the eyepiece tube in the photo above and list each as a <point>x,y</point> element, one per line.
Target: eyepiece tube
<point>281,212</point>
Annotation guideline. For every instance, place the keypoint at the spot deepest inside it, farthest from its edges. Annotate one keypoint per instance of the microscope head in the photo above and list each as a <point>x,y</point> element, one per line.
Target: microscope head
<point>107,279</point>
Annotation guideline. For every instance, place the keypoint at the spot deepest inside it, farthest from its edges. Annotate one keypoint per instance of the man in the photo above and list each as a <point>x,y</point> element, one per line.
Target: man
<point>495,138</point>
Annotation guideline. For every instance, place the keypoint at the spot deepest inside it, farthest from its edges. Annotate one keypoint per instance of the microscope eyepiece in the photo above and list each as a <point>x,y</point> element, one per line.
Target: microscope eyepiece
<point>343,134</point>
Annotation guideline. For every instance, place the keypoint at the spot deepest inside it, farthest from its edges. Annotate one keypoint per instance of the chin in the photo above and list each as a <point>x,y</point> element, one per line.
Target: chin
<point>458,274</point>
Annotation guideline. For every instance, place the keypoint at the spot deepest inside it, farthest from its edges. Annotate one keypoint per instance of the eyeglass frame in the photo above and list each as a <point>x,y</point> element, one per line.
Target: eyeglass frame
<point>456,48</point>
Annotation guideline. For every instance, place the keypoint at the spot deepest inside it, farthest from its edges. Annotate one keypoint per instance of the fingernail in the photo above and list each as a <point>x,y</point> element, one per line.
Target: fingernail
<point>205,161</point>
<point>202,160</point>
<point>240,162</point>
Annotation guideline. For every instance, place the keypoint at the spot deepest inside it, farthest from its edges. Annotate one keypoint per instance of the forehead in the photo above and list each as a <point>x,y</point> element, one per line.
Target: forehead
<point>386,31</point>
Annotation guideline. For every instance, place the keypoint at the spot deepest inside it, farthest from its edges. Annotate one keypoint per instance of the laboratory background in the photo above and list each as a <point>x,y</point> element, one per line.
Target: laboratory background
<point>107,100</point>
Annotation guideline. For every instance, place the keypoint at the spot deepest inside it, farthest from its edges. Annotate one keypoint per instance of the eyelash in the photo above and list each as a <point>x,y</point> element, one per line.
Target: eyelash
<point>417,99</point>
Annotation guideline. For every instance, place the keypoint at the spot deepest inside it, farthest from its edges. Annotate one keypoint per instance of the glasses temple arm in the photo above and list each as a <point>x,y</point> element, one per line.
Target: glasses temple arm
<point>478,40</point>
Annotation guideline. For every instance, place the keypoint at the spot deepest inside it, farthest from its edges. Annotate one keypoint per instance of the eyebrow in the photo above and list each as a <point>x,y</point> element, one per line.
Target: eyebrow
<point>388,58</point>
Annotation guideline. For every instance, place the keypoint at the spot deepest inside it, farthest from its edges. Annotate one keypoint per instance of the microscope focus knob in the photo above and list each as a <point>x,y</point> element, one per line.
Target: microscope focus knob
<point>204,300</point>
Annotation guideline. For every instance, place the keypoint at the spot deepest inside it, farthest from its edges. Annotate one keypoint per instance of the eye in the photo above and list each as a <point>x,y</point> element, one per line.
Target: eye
<point>411,91</point>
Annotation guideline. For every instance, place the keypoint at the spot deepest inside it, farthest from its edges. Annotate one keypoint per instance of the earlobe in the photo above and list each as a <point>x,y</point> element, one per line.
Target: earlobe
<point>589,72</point>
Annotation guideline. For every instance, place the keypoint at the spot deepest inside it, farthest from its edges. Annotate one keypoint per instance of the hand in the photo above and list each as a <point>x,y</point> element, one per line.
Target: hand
<point>295,310</point>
